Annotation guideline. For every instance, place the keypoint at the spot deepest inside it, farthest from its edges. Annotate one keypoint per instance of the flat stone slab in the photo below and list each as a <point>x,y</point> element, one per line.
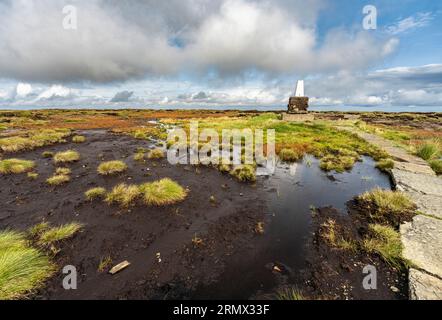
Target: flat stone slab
<point>298,117</point>
<point>409,181</point>
<point>423,286</point>
<point>424,190</point>
<point>422,240</point>
<point>428,204</point>
<point>414,168</point>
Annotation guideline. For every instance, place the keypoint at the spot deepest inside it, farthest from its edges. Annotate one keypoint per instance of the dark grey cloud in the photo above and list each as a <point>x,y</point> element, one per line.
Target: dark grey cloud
<point>123,96</point>
<point>200,96</point>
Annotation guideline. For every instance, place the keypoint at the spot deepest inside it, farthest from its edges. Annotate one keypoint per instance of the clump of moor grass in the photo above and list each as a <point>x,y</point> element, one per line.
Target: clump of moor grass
<point>139,156</point>
<point>47,154</point>
<point>385,164</point>
<point>244,173</point>
<point>123,194</point>
<point>63,171</point>
<point>15,166</point>
<point>56,234</point>
<point>95,193</point>
<point>290,155</point>
<point>32,175</point>
<point>162,192</point>
<point>66,156</point>
<point>156,154</point>
<point>78,139</point>
<point>386,242</point>
<point>386,206</point>
<point>22,268</point>
<point>429,151</point>
<point>111,167</point>
<point>58,179</point>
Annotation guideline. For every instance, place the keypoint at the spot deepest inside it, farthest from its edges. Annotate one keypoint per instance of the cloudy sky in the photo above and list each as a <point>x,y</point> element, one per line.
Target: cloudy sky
<point>219,53</point>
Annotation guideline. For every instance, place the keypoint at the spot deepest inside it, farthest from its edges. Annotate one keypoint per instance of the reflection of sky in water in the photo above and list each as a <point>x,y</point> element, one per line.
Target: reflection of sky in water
<point>293,190</point>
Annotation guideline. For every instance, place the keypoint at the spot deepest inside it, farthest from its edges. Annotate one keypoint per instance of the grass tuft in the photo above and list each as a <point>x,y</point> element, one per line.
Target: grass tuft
<point>15,166</point>
<point>428,151</point>
<point>63,171</point>
<point>34,139</point>
<point>111,167</point>
<point>66,156</point>
<point>289,294</point>
<point>58,179</point>
<point>47,154</point>
<point>245,173</point>
<point>290,155</point>
<point>32,175</point>
<point>104,264</point>
<point>162,192</point>
<point>333,237</point>
<point>38,229</point>
<point>386,242</point>
<point>56,234</point>
<point>436,165</point>
<point>338,163</point>
<point>123,194</point>
<point>95,193</point>
<point>156,154</point>
<point>385,164</point>
<point>224,168</point>
<point>78,139</point>
<point>22,268</point>
<point>385,202</point>
<point>139,156</point>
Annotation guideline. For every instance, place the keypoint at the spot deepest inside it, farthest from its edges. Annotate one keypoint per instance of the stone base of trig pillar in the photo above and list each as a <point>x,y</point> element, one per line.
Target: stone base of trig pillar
<point>298,105</point>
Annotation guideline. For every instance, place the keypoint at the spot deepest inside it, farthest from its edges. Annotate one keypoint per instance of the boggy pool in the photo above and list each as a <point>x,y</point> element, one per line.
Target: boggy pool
<point>293,190</point>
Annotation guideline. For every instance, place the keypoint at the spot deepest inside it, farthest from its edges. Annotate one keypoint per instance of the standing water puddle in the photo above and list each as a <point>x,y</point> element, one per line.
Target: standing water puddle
<point>292,192</point>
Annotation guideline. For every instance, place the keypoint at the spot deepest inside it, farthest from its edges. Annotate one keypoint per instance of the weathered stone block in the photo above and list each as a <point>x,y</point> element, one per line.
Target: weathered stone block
<point>422,240</point>
<point>423,286</point>
<point>297,104</point>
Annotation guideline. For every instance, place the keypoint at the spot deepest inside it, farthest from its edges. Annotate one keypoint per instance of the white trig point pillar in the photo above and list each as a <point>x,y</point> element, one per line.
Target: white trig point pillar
<point>299,89</point>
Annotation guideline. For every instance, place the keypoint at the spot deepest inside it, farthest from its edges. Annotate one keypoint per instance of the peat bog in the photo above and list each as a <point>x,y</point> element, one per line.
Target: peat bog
<point>222,238</point>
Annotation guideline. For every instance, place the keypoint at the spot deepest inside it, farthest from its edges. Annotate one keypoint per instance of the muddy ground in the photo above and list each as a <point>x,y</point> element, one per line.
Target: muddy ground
<point>334,273</point>
<point>225,230</point>
<point>136,234</point>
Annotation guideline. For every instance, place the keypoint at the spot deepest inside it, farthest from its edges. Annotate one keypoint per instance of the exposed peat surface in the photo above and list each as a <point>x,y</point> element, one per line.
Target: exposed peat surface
<point>205,247</point>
